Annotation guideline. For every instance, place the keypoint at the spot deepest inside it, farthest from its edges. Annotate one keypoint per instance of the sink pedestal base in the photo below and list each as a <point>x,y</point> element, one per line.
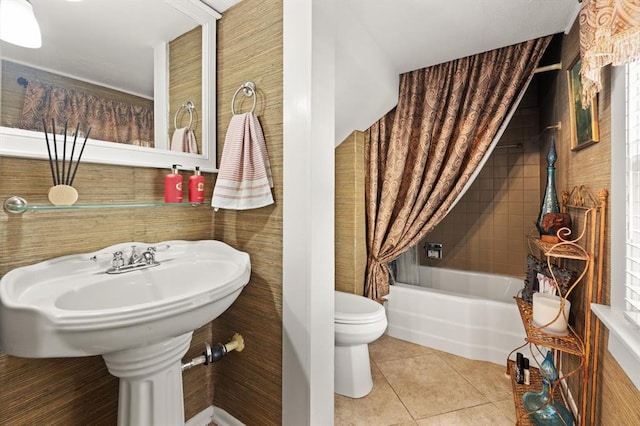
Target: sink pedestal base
<point>150,382</point>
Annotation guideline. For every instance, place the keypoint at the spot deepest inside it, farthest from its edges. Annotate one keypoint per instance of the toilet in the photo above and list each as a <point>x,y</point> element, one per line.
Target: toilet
<point>358,322</point>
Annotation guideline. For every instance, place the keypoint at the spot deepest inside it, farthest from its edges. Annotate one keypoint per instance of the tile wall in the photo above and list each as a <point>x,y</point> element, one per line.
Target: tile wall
<point>486,231</point>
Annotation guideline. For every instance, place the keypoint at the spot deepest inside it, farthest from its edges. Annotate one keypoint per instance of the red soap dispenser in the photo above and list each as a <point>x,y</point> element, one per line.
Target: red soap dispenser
<point>173,186</point>
<point>196,187</point>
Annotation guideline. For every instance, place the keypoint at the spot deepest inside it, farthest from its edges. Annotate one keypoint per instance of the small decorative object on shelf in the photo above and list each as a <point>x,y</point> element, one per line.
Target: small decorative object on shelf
<point>561,277</point>
<point>62,193</point>
<point>546,410</point>
<point>552,223</point>
<point>550,200</point>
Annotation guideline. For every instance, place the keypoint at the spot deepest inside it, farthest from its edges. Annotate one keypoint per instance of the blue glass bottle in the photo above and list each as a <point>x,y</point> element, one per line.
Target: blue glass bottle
<point>547,411</point>
<point>550,200</point>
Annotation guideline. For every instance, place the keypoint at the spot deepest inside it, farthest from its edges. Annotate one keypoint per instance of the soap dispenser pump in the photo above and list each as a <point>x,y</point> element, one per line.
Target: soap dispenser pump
<point>196,187</point>
<point>173,186</point>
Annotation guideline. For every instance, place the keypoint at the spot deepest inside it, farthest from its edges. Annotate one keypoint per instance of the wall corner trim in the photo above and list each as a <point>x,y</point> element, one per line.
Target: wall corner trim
<point>213,414</point>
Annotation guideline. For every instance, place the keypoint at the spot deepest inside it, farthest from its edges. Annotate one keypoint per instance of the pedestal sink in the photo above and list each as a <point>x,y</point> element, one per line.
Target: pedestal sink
<point>140,319</point>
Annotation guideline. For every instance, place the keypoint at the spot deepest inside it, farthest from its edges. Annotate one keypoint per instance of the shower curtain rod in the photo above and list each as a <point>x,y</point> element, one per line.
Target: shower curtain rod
<point>546,68</point>
<point>513,145</point>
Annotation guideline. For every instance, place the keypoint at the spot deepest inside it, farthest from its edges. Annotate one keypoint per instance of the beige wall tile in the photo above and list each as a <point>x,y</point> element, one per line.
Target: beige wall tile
<point>495,207</point>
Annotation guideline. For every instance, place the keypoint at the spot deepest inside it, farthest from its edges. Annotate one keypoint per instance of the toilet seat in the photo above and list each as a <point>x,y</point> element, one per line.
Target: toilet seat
<point>354,309</point>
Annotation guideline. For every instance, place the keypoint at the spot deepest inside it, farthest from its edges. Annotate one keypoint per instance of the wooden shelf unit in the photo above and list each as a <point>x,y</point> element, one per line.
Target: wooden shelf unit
<point>588,216</point>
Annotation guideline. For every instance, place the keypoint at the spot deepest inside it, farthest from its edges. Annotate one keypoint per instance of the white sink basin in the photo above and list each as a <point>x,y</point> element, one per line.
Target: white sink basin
<point>69,306</point>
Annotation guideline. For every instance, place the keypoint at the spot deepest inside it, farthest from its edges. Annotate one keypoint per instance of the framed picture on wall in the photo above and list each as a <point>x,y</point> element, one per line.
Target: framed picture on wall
<point>584,122</point>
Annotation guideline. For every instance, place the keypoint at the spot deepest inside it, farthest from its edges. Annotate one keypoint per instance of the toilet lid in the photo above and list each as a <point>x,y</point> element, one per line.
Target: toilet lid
<point>354,309</point>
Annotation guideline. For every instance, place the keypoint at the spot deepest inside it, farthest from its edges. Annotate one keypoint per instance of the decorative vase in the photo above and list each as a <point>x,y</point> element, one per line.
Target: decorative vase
<point>550,200</point>
<point>546,410</point>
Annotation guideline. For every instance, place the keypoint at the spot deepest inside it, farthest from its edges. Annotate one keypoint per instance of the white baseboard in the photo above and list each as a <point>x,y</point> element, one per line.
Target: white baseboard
<point>223,418</point>
<point>215,415</point>
<point>203,418</point>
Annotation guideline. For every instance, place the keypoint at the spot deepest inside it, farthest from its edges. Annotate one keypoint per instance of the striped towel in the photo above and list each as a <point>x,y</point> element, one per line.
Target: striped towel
<point>244,179</point>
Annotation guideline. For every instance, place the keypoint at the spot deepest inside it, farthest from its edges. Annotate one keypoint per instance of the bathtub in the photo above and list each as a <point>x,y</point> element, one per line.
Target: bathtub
<point>469,314</point>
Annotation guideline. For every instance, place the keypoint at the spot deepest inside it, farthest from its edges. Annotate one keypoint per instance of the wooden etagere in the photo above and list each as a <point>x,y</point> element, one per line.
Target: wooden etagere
<point>584,247</point>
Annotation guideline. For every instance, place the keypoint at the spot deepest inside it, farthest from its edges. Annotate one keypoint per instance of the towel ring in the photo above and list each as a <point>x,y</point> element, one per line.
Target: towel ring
<point>249,90</point>
<point>189,107</point>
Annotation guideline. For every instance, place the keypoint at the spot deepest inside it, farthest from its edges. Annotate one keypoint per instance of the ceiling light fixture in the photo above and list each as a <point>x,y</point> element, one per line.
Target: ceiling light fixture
<point>18,24</point>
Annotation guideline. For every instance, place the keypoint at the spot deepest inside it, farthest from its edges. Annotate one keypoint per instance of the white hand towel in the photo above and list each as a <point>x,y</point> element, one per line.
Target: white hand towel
<point>190,143</point>
<point>184,140</point>
<point>244,179</point>
<point>177,140</point>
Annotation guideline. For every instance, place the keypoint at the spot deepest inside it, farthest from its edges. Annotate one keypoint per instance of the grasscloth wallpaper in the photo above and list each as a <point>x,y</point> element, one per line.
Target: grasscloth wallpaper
<point>249,385</point>
<point>350,247</point>
<point>80,391</point>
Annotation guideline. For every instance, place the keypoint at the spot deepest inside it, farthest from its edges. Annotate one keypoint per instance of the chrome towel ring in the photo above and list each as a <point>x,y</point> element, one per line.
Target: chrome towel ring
<point>249,90</point>
<point>189,108</point>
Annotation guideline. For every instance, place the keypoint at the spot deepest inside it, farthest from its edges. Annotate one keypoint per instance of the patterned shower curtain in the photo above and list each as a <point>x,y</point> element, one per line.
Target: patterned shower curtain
<point>110,120</point>
<point>420,155</point>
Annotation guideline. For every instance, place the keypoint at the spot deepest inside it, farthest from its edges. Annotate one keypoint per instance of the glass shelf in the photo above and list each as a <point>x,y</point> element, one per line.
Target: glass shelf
<point>17,205</point>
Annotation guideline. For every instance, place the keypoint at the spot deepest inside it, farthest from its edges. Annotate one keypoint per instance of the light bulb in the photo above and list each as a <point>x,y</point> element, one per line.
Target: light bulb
<point>18,24</point>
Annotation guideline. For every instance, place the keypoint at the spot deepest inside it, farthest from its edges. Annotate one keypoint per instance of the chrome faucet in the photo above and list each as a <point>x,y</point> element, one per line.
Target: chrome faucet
<point>134,257</point>
<point>137,260</point>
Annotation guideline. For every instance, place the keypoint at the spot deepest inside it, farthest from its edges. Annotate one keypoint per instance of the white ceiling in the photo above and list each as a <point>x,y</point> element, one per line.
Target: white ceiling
<point>414,34</point>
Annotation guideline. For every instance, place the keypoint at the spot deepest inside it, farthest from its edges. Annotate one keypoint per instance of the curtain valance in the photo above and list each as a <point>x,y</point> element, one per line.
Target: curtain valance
<point>609,34</point>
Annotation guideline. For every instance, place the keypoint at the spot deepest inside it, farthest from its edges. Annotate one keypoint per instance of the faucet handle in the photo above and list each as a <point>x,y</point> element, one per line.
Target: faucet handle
<point>118,259</point>
<point>149,256</point>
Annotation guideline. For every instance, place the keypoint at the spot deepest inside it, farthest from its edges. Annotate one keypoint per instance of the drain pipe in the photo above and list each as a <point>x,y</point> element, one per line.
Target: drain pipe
<point>215,353</point>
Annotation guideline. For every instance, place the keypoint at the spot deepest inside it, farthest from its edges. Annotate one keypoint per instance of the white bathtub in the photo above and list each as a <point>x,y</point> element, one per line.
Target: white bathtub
<point>469,314</point>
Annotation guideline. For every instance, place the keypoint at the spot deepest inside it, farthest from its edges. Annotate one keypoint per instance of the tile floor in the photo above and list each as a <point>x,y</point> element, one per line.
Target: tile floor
<point>416,385</point>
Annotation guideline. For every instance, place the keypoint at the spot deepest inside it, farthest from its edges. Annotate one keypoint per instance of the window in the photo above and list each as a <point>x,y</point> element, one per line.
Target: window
<point>624,336</point>
<point>632,267</point>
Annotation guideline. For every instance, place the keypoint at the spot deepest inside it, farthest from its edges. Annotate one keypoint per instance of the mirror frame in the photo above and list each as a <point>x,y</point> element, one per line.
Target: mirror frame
<point>29,144</point>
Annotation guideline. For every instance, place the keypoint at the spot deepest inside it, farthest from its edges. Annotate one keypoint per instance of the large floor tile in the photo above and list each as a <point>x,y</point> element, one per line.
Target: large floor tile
<point>485,414</point>
<point>381,407</point>
<point>387,348</point>
<point>508,408</point>
<point>428,386</point>
<point>487,377</point>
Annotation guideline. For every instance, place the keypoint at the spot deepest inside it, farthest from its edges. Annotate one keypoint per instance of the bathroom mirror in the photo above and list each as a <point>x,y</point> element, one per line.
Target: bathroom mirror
<point>121,45</point>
